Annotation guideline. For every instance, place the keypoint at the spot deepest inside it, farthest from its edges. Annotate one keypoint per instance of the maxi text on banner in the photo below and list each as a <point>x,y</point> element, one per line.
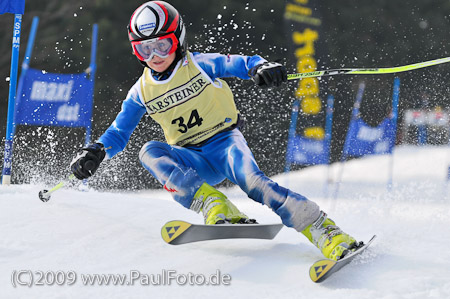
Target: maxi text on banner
<point>49,99</point>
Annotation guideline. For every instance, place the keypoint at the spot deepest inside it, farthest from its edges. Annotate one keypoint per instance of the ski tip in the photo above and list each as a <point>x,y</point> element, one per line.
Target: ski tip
<point>320,268</point>
<point>173,229</point>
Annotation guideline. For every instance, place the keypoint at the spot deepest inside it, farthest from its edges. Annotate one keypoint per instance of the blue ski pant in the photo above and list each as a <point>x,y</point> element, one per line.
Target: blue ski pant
<point>182,170</point>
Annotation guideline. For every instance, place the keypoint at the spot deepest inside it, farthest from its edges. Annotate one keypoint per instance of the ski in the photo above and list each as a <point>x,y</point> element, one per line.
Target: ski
<point>369,71</point>
<point>181,232</point>
<point>323,269</point>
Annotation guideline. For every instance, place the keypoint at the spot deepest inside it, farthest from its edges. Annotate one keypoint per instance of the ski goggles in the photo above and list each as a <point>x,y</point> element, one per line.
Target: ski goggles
<point>161,46</point>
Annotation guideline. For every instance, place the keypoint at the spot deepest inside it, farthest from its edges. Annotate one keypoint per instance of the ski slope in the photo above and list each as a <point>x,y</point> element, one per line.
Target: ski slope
<point>94,232</point>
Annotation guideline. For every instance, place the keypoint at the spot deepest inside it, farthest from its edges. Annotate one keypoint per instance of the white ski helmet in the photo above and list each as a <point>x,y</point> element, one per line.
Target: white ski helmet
<point>157,19</point>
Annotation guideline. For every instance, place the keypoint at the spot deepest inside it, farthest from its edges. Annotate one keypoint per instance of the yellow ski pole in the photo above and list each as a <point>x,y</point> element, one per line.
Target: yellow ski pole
<point>44,195</point>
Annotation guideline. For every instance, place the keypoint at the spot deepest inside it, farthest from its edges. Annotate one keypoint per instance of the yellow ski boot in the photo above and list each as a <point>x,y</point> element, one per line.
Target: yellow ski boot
<point>329,238</point>
<point>216,208</point>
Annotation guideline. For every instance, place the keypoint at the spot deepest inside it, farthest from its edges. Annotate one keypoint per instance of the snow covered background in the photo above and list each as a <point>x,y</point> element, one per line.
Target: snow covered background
<point>113,233</point>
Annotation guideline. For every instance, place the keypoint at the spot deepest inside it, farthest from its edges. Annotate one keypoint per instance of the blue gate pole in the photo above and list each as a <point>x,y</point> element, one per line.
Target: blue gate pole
<point>355,112</point>
<point>448,174</point>
<point>422,134</point>
<point>291,134</point>
<point>329,123</point>
<point>395,96</point>
<point>328,134</point>
<point>25,65</point>
<point>92,69</point>
<point>7,162</point>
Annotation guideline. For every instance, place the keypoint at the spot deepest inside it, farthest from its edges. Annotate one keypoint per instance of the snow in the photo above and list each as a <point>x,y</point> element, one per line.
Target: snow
<point>116,233</point>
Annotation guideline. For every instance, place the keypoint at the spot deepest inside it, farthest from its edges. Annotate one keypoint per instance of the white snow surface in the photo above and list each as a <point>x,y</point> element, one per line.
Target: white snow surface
<point>117,232</point>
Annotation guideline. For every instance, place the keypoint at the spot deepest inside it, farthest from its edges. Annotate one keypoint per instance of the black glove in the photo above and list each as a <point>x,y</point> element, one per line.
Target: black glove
<point>268,74</point>
<point>87,161</point>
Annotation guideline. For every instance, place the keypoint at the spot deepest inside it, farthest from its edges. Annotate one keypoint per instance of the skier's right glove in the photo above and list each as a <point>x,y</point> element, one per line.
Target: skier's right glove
<point>87,161</point>
<point>268,74</point>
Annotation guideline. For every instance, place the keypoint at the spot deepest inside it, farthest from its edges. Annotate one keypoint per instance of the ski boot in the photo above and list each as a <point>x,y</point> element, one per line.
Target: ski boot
<point>330,239</point>
<point>216,208</point>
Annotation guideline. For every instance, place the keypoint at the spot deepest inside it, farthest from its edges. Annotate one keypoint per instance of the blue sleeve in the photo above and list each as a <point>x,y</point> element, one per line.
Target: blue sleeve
<point>222,66</point>
<point>118,134</point>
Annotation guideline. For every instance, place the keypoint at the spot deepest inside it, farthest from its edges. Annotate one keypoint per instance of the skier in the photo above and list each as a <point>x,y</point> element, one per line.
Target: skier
<point>182,91</point>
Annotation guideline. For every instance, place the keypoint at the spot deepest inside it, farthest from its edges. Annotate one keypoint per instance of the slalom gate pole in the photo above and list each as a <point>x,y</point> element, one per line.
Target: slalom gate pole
<point>7,159</point>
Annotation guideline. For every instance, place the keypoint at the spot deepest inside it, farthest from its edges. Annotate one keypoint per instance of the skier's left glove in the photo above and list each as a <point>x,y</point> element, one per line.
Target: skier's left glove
<point>268,74</point>
<point>87,161</point>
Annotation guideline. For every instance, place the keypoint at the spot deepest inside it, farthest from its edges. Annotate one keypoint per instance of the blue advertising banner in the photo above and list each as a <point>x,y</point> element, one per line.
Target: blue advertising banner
<point>307,151</point>
<point>363,139</point>
<point>42,98</point>
<point>12,6</point>
<point>48,99</point>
